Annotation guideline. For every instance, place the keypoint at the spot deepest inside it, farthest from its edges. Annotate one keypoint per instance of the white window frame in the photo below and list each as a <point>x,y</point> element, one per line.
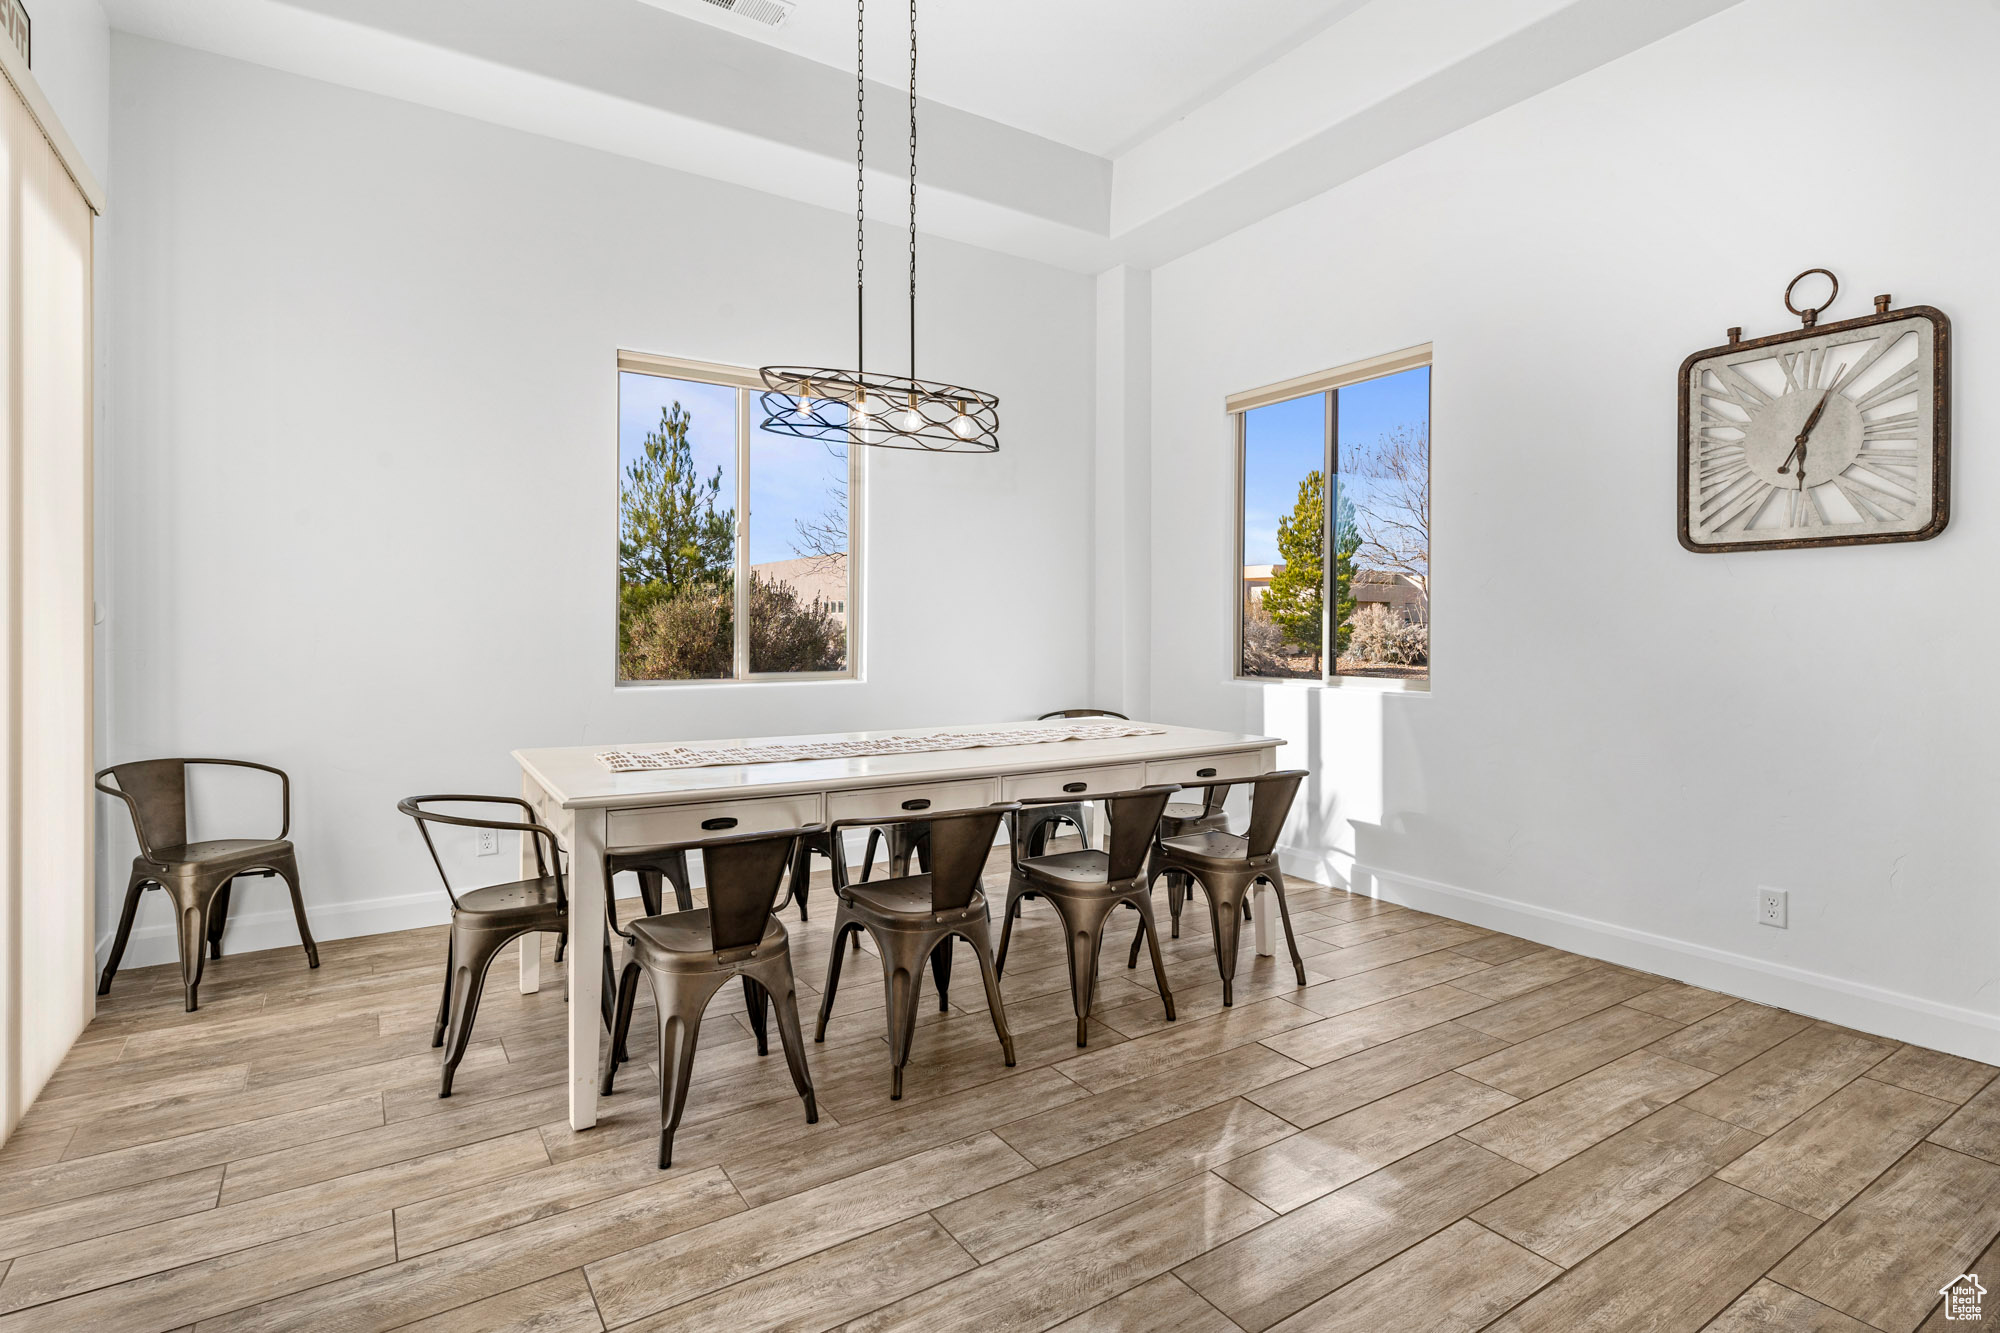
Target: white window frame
<point>748,385</point>
<point>1237,405</point>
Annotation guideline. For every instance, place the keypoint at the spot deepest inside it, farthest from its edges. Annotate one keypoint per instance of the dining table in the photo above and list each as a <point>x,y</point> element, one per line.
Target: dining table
<point>601,799</point>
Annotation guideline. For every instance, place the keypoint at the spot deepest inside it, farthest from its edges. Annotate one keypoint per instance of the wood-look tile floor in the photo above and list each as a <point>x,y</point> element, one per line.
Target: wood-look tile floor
<point>1446,1129</point>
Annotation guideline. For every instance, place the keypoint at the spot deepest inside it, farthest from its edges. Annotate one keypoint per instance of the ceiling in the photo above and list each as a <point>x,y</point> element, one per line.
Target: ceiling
<point>1080,133</point>
<point>1093,74</point>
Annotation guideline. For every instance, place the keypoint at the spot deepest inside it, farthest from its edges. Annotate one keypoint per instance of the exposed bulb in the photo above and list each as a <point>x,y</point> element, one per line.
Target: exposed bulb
<point>911,421</point>
<point>864,407</point>
<point>802,405</point>
<point>962,426</point>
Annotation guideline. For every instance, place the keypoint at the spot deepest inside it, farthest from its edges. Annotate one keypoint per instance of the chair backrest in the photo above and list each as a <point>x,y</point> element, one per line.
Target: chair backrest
<point>1083,712</point>
<point>743,874</point>
<point>415,808</point>
<point>155,793</point>
<point>1270,802</point>
<point>1134,817</point>
<point>960,841</point>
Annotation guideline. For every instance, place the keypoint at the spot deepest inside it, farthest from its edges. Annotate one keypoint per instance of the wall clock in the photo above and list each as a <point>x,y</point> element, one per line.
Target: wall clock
<point>1830,435</point>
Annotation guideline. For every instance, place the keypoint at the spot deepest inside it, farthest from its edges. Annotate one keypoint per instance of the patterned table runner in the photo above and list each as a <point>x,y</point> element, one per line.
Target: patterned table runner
<point>691,756</point>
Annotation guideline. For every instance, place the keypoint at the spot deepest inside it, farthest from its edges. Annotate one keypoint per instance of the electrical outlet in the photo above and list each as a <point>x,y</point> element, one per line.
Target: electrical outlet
<point>489,844</point>
<point>1771,907</point>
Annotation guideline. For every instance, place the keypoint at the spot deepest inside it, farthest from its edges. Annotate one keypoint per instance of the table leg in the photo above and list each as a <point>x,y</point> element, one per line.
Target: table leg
<point>530,945</point>
<point>585,963</point>
<point>1262,912</point>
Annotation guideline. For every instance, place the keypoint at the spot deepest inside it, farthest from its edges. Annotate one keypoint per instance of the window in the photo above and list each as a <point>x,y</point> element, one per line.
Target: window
<point>735,549</point>
<point>1367,427</point>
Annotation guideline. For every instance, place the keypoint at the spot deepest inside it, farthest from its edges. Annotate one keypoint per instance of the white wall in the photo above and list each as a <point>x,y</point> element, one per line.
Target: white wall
<point>364,488</point>
<point>1624,739</point>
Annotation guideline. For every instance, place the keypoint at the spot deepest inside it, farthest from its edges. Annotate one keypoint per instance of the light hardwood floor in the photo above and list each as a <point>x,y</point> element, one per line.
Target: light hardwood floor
<point>1446,1129</point>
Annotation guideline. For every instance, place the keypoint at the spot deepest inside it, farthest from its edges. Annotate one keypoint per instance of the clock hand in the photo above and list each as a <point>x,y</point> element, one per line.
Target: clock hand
<point>1805,433</point>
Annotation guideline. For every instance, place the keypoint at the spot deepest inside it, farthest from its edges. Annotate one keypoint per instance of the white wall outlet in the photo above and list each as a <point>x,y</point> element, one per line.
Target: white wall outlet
<point>1771,907</point>
<point>489,845</point>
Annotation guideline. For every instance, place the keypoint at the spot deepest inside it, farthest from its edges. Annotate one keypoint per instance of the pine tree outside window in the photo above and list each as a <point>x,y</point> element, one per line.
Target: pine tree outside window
<point>736,551</point>
<point>1333,526</point>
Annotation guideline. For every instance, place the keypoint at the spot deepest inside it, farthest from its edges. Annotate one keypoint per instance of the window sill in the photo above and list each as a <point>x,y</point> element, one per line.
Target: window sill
<point>1368,684</point>
<point>799,678</point>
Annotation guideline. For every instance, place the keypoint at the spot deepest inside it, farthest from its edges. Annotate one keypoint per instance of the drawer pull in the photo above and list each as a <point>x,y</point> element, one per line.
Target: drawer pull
<point>1204,772</point>
<point>719,822</point>
<point>919,803</point>
<point>1076,786</point>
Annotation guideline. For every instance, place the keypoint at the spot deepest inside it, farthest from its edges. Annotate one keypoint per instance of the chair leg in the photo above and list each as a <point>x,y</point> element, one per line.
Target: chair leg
<point>607,1000</point>
<point>1151,927</point>
<point>1178,889</point>
<point>982,949</point>
<point>775,979</point>
<point>801,876</point>
<point>472,953</point>
<point>194,942</point>
<point>649,890</point>
<point>444,1004</point>
<point>621,1027</point>
<point>1083,924</point>
<point>1285,915</point>
<point>677,875</point>
<point>901,967</point>
<point>679,1000</point>
<point>758,1002</point>
<point>288,869</point>
<point>133,892</point>
<point>868,854</point>
<point>1139,935</point>
<point>840,924</point>
<point>1225,917</point>
<point>1012,910</point>
<point>218,917</point>
<point>941,973</point>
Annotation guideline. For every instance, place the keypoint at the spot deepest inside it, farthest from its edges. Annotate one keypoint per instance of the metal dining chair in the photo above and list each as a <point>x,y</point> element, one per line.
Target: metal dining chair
<point>1084,886</point>
<point>1180,820</point>
<point>1228,866</point>
<point>196,875</point>
<point>1042,826</point>
<point>914,917</point>
<point>486,920</point>
<point>689,956</point>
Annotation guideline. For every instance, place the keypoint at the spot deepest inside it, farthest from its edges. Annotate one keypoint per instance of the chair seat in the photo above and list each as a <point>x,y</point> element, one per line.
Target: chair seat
<point>686,936</point>
<point>908,898</point>
<point>1070,870</point>
<point>1181,820</point>
<point>1210,848</point>
<point>523,900</point>
<point>221,853</point>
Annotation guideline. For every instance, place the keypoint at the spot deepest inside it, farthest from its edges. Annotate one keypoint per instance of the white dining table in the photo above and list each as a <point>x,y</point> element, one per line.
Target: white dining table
<point>594,810</point>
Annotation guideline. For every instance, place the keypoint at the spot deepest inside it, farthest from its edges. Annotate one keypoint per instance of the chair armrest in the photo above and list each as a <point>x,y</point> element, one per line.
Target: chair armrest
<point>131,808</point>
<point>284,785</point>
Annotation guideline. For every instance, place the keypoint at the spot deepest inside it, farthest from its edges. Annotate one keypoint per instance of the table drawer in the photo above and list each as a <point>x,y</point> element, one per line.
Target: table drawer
<point>907,802</point>
<point>1244,764</point>
<point>1085,784</point>
<point>667,824</point>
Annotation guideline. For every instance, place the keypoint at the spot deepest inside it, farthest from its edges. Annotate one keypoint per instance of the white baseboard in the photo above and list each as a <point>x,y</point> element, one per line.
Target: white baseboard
<point>249,932</point>
<point>1853,1004</point>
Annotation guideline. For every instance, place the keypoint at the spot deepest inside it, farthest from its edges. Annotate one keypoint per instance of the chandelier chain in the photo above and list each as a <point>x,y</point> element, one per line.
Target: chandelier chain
<point>913,189</point>
<point>860,182</point>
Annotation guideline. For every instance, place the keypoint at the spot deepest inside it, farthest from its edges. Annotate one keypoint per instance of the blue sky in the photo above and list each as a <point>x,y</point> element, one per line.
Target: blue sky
<point>789,478</point>
<point>1284,441</point>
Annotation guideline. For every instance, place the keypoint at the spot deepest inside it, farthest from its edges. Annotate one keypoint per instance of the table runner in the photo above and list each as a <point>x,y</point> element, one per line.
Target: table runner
<point>691,756</point>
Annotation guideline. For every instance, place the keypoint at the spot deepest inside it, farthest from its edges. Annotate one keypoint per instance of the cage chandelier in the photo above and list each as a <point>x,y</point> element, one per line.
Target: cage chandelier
<point>854,406</point>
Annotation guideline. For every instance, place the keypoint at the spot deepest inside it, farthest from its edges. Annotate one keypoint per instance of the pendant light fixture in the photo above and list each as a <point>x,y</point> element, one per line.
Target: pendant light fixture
<point>854,406</point>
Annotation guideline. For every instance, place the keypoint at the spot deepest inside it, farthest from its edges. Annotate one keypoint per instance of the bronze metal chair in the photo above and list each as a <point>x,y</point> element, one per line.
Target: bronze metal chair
<point>1084,886</point>
<point>486,920</point>
<point>689,956</point>
<point>1180,820</point>
<point>196,875</point>
<point>1228,866</point>
<point>913,917</point>
<point>1037,831</point>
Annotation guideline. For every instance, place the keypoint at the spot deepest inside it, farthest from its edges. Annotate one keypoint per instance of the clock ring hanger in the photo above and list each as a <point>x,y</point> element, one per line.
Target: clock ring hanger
<point>1810,315</point>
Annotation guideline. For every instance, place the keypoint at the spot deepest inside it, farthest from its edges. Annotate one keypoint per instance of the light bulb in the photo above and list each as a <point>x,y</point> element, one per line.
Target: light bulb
<point>962,426</point>
<point>803,404</point>
<point>864,406</point>
<point>911,421</point>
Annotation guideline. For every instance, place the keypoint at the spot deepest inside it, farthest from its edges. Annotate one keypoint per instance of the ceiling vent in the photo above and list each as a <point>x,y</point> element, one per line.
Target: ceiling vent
<point>770,13</point>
